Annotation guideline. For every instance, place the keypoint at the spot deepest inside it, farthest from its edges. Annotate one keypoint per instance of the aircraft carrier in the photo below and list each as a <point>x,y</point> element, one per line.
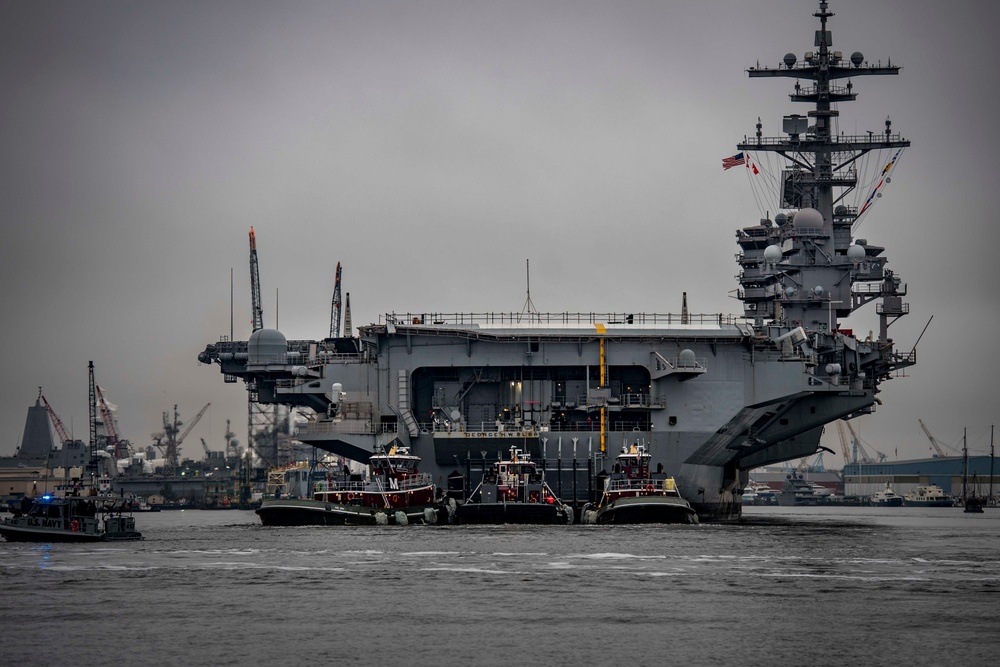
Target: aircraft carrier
<point>711,396</point>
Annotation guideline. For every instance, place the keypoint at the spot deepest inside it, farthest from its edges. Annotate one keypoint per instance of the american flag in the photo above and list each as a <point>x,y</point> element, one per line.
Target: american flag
<point>734,161</point>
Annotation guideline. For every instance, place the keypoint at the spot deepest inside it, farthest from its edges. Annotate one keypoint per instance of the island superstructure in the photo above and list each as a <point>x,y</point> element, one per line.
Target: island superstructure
<point>712,396</point>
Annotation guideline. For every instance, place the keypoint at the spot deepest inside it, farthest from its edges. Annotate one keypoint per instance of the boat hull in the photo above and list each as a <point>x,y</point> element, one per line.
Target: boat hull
<point>797,502</point>
<point>973,506</point>
<point>647,509</point>
<point>290,512</point>
<point>29,534</point>
<point>522,513</point>
<point>944,502</point>
<point>21,533</point>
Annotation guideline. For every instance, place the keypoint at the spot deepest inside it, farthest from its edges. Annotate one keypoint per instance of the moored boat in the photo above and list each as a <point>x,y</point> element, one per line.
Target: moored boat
<point>797,491</point>
<point>928,496</point>
<point>632,495</point>
<point>974,504</point>
<point>886,498</point>
<point>70,519</point>
<point>759,494</point>
<point>513,491</point>
<point>973,501</point>
<point>396,492</point>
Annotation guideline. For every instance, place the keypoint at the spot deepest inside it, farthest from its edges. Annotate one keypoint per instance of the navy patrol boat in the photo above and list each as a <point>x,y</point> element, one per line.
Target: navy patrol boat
<point>726,393</point>
<point>71,519</point>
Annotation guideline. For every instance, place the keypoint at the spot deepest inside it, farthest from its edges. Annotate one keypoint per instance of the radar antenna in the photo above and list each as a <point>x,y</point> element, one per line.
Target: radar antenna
<point>529,307</point>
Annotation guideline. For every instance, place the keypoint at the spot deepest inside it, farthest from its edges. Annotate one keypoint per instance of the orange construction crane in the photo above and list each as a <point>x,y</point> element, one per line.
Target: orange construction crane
<point>56,422</point>
<point>109,426</point>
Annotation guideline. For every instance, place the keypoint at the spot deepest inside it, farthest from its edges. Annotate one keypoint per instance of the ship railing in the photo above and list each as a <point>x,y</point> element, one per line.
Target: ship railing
<point>831,89</point>
<point>847,141</point>
<point>799,233</point>
<point>346,426</point>
<point>569,320</point>
<point>353,486</point>
<point>640,484</point>
<point>878,288</point>
<point>899,309</point>
<point>411,481</point>
<point>767,292</point>
<point>909,358</point>
<point>488,429</point>
<point>642,401</point>
<point>290,384</point>
<point>296,359</point>
<point>635,400</point>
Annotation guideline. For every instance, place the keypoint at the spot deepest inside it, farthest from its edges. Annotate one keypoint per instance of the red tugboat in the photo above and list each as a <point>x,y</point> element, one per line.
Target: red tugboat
<point>514,491</point>
<point>395,493</point>
<point>632,495</point>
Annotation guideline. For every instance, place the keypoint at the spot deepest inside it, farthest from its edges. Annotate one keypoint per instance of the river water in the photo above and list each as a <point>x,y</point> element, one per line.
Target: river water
<point>803,586</point>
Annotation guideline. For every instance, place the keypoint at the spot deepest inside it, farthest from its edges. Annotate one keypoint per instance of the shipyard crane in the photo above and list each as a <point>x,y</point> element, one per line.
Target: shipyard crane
<point>56,422</point>
<point>335,306</point>
<point>817,462</point>
<point>860,448</point>
<point>861,455</point>
<point>204,445</point>
<point>93,463</point>
<point>255,410</point>
<point>843,443</point>
<point>170,432</point>
<point>934,442</point>
<point>111,431</point>
<point>190,426</point>
<point>232,444</point>
<point>258,313</point>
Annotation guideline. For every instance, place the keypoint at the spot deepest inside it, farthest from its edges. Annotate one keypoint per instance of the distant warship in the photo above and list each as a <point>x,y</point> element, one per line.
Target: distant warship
<point>711,396</point>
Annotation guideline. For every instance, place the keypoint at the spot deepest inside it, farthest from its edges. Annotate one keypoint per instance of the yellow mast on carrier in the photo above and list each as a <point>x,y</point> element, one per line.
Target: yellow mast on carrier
<point>601,331</point>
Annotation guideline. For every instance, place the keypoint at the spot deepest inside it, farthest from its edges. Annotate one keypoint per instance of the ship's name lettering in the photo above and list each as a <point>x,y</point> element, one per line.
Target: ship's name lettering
<point>44,523</point>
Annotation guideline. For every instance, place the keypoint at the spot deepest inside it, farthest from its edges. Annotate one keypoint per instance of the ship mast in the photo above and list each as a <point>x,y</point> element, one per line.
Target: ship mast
<point>809,289</point>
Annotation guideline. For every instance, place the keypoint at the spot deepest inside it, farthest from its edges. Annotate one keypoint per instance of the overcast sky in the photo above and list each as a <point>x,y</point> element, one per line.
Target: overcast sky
<point>433,147</point>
